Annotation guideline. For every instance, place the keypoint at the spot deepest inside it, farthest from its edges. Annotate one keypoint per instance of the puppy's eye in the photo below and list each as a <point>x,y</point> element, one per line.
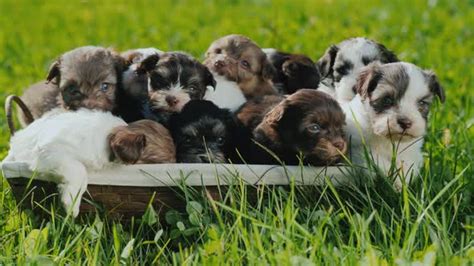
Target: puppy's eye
<point>104,86</point>
<point>220,141</point>
<point>192,88</point>
<point>218,51</point>
<point>424,103</point>
<point>341,70</point>
<point>245,63</point>
<point>387,101</point>
<point>313,128</point>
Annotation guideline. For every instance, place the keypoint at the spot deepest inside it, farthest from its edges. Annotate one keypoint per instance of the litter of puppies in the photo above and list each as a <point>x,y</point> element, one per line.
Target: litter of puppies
<point>242,104</point>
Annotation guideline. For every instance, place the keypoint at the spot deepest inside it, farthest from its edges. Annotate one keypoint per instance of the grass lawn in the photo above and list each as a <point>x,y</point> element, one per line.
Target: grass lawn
<point>431,222</point>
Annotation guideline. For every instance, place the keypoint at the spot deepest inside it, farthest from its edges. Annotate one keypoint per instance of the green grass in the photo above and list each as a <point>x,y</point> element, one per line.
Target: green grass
<point>431,222</point>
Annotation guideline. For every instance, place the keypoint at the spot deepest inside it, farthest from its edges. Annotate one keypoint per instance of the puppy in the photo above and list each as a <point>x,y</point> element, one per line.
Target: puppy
<point>306,126</point>
<point>241,69</point>
<point>155,144</point>
<point>340,65</point>
<point>63,146</point>
<point>293,71</point>
<point>174,78</point>
<point>203,133</point>
<point>389,114</point>
<point>85,77</point>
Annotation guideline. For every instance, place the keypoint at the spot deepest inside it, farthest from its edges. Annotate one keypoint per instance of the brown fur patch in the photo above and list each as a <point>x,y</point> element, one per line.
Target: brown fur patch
<point>159,146</point>
<point>229,56</point>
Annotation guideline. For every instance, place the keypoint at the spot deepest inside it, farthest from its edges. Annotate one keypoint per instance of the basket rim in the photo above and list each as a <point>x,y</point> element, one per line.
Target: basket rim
<point>169,175</point>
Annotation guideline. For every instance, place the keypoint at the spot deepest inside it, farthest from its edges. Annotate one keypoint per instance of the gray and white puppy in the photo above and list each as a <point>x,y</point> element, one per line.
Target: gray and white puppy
<point>340,65</point>
<point>85,77</point>
<point>389,114</point>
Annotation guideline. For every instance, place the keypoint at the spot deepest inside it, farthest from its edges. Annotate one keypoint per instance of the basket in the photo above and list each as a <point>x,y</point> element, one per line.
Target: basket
<point>126,190</point>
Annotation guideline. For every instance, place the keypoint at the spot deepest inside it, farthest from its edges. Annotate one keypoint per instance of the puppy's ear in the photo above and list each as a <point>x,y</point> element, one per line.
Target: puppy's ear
<point>54,72</point>
<point>209,79</point>
<point>387,56</point>
<point>120,63</point>
<point>368,79</point>
<point>274,116</point>
<point>148,64</point>
<point>268,70</point>
<point>326,62</point>
<point>127,146</point>
<point>434,85</point>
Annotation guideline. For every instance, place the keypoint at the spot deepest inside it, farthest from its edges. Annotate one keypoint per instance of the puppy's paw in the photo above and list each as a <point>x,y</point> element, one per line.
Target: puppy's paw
<point>70,199</point>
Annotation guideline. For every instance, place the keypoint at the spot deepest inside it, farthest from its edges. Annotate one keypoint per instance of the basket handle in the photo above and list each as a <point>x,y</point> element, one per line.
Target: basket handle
<point>9,112</point>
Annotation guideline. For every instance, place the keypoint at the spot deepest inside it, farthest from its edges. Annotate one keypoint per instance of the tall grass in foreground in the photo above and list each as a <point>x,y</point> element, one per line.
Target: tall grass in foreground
<point>294,225</point>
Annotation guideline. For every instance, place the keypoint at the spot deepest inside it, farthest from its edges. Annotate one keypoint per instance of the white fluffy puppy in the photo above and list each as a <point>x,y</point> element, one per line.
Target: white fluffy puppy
<point>63,147</point>
<point>389,116</point>
<point>340,65</point>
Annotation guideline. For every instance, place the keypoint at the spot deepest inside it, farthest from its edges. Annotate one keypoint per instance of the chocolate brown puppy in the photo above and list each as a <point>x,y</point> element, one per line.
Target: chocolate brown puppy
<point>293,71</point>
<point>142,142</point>
<point>306,126</point>
<point>241,69</point>
<point>85,77</point>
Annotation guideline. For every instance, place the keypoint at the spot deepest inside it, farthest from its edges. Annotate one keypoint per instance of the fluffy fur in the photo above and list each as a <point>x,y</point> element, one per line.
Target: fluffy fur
<point>84,77</point>
<point>65,146</point>
<point>174,78</point>
<point>307,123</point>
<point>142,142</point>
<point>203,133</point>
<point>293,71</point>
<point>341,64</point>
<point>241,69</point>
<point>391,111</point>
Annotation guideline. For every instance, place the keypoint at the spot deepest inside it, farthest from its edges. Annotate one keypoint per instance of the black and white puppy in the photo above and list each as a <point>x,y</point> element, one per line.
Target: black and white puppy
<point>174,78</point>
<point>391,110</point>
<point>293,71</point>
<point>340,65</point>
<point>202,133</point>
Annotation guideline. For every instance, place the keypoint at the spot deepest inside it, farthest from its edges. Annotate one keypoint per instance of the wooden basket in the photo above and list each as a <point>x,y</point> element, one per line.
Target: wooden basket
<point>125,191</point>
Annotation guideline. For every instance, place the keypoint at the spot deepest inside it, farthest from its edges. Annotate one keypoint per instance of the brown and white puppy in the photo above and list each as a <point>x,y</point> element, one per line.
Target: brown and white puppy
<point>241,69</point>
<point>293,71</point>
<point>340,65</point>
<point>307,123</point>
<point>84,77</point>
<point>142,142</point>
<point>391,110</point>
<point>174,78</point>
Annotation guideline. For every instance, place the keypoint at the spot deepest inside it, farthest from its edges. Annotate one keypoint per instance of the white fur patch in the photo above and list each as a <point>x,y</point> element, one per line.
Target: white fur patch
<point>64,147</point>
<point>226,95</point>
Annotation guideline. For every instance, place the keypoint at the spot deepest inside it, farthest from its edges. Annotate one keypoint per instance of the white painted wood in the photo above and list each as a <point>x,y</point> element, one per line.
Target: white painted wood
<point>162,175</point>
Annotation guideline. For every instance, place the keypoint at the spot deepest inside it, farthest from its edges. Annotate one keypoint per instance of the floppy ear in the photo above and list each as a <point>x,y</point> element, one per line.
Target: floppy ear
<point>387,56</point>
<point>54,72</point>
<point>148,64</point>
<point>210,81</point>
<point>268,70</point>
<point>274,116</point>
<point>434,85</point>
<point>127,146</point>
<point>326,62</point>
<point>368,79</point>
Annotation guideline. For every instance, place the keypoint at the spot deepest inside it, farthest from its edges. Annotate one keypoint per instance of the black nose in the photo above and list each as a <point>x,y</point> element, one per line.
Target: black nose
<point>171,100</point>
<point>219,63</point>
<point>404,123</point>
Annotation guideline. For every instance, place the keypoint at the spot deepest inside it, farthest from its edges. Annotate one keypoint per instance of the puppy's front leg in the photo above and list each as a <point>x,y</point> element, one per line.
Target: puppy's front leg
<point>73,185</point>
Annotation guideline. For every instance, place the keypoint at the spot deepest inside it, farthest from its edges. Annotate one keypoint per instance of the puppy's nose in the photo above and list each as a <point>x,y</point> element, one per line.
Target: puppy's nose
<point>340,144</point>
<point>171,100</point>
<point>404,122</point>
<point>219,63</point>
